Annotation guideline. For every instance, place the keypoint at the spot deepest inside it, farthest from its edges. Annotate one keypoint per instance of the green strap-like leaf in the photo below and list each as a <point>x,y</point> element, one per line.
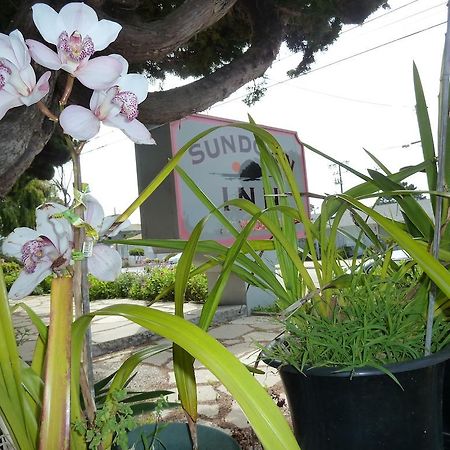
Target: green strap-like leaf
<point>264,416</point>
<point>433,268</point>
<point>426,134</point>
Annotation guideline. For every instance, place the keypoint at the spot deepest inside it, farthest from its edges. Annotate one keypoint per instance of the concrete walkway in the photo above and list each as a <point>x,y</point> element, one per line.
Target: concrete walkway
<point>115,338</point>
<point>110,333</point>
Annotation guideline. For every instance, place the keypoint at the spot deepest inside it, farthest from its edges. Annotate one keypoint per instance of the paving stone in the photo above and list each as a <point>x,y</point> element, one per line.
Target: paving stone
<point>158,360</point>
<point>260,336</point>
<point>206,393</point>
<point>236,416</point>
<point>204,376</point>
<point>209,409</point>
<point>229,331</point>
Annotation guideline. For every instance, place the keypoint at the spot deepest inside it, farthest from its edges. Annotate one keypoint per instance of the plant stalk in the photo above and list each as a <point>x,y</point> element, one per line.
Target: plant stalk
<point>440,185</point>
<point>55,420</point>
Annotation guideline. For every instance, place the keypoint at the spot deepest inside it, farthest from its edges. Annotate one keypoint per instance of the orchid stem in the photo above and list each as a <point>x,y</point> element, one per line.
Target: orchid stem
<point>44,110</point>
<point>67,90</point>
<point>55,420</point>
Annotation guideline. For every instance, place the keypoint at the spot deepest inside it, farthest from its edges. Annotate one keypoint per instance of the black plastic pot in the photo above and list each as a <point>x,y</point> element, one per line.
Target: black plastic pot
<point>446,406</point>
<point>175,436</point>
<point>366,409</point>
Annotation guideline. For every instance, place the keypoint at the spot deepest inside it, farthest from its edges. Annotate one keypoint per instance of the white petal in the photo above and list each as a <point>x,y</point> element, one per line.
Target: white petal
<point>136,83</point>
<point>79,122</point>
<point>94,213</point>
<point>58,230</point>
<point>8,101</point>
<point>12,245</point>
<point>26,282</point>
<point>6,50</point>
<point>28,76</point>
<point>20,49</point>
<point>40,90</point>
<point>134,129</point>
<point>47,22</point>
<point>105,263</point>
<point>122,61</point>
<point>103,33</point>
<point>108,221</point>
<point>78,17</point>
<point>43,55</point>
<point>99,73</point>
<point>96,99</point>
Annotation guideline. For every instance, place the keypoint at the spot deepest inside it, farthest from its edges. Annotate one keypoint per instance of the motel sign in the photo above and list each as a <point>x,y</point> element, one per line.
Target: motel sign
<point>223,164</point>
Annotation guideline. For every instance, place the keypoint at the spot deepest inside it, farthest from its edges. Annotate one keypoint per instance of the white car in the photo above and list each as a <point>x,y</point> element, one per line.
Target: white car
<point>174,259</point>
<point>397,255</point>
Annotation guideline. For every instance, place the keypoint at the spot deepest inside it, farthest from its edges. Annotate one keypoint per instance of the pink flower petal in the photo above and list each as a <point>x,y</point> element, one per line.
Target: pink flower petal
<point>39,91</point>
<point>78,17</point>
<point>8,101</point>
<point>43,55</point>
<point>99,73</point>
<point>105,263</point>
<point>79,122</point>
<point>47,22</point>
<point>122,61</point>
<point>26,282</point>
<point>134,129</point>
<point>103,33</point>
<point>136,83</point>
<point>12,245</point>
<point>94,211</point>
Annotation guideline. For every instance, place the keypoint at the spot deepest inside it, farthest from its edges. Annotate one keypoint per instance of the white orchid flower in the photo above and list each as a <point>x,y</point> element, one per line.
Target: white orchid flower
<point>116,107</point>
<point>77,34</point>
<point>42,251</point>
<point>105,263</point>
<point>17,78</point>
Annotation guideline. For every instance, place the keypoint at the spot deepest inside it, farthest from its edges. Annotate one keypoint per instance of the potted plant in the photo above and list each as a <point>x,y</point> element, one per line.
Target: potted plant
<point>371,381</point>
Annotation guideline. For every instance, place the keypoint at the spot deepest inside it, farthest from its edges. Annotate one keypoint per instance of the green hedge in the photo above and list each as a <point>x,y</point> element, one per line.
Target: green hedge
<point>135,285</point>
<point>147,286</point>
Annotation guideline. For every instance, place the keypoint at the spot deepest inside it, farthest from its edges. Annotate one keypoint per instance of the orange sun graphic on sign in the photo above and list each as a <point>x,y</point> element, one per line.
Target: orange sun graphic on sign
<point>236,166</point>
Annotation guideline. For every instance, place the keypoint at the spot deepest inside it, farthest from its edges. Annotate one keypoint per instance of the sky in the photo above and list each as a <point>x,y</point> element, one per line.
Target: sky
<point>358,95</point>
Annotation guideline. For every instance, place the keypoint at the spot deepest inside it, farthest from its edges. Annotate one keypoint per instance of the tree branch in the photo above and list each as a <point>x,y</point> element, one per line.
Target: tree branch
<point>173,104</point>
<point>156,39</point>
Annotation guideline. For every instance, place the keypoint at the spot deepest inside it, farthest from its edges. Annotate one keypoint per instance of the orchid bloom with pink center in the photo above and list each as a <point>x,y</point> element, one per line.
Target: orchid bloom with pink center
<point>77,34</point>
<point>42,251</point>
<point>105,262</point>
<point>17,78</point>
<point>115,107</point>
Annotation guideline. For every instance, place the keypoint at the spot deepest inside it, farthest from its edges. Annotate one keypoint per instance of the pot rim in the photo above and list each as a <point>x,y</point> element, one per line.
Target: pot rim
<point>337,371</point>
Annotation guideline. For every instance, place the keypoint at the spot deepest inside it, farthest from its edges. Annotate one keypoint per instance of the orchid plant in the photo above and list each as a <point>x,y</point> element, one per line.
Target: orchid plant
<point>40,402</point>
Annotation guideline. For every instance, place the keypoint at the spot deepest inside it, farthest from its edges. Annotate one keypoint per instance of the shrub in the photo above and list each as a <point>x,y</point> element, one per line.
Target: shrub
<point>136,252</point>
<point>124,283</point>
<point>197,289</point>
<point>102,289</point>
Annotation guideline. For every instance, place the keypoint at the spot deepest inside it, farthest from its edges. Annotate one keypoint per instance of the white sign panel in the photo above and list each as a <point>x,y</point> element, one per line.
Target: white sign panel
<point>225,165</point>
